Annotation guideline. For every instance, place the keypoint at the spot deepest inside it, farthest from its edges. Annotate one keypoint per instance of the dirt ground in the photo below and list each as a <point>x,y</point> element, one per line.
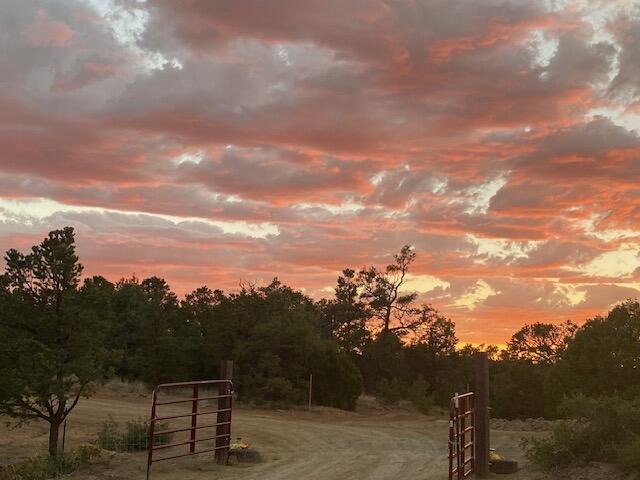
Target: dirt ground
<point>322,444</point>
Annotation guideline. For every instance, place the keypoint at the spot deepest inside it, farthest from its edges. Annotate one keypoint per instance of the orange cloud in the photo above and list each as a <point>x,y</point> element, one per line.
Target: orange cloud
<point>214,141</point>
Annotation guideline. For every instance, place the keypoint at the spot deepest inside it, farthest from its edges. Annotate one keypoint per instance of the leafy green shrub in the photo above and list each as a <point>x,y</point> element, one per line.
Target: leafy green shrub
<point>603,429</point>
<point>135,436</point>
<point>87,453</point>
<point>557,451</point>
<point>337,382</point>
<point>388,392</point>
<point>108,435</point>
<point>278,392</point>
<point>418,395</point>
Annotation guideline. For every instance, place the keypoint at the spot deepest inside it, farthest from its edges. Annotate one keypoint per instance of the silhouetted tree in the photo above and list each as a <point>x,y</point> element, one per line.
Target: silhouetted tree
<point>381,290</point>
<point>198,308</point>
<point>603,357</point>
<point>540,342</point>
<point>436,333</point>
<point>51,347</point>
<point>344,318</point>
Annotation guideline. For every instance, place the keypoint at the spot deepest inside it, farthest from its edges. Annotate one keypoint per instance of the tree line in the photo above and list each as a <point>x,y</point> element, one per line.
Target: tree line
<point>62,334</point>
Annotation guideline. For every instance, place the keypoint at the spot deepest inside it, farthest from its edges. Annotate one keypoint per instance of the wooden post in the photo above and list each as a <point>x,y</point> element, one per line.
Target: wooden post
<point>310,388</point>
<point>481,463</point>
<point>223,432</point>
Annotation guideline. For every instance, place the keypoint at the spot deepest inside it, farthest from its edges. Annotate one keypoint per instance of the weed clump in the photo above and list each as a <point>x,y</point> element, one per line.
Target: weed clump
<point>134,437</point>
<point>46,467</point>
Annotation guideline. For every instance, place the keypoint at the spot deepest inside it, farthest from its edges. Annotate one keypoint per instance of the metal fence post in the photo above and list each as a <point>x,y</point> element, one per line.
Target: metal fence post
<point>463,434</point>
<point>194,414</point>
<point>481,414</point>
<point>223,431</point>
<point>151,438</point>
<point>456,427</point>
<point>472,399</point>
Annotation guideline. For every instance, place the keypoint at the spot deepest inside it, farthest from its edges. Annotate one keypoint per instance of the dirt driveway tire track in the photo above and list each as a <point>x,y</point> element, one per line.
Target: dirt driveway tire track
<point>322,444</point>
<point>357,448</point>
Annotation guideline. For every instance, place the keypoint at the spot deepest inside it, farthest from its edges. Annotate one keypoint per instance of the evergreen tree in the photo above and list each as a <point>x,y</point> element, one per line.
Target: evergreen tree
<point>51,351</point>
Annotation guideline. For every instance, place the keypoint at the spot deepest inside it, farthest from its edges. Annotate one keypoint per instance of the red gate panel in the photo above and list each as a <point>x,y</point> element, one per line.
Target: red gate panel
<point>193,401</point>
<point>461,436</point>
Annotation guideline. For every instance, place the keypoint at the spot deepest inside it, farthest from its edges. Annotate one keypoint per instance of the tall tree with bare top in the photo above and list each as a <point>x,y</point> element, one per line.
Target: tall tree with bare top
<point>388,304</point>
<point>51,350</point>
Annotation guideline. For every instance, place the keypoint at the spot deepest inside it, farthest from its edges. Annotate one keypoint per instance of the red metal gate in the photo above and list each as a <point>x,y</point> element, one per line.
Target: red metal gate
<point>461,436</point>
<point>160,428</point>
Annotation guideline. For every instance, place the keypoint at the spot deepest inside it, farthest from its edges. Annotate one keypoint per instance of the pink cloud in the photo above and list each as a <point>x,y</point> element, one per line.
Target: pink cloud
<point>349,128</point>
<point>46,32</point>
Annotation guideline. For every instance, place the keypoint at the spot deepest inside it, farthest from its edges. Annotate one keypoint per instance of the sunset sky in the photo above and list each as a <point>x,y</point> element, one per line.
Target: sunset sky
<point>209,141</point>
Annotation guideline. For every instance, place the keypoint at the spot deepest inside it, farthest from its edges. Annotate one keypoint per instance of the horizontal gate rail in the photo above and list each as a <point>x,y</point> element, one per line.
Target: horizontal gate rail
<point>187,415</point>
<point>187,400</point>
<point>188,429</point>
<point>461,429</point>
<point>222,426</point>
<point>178,444</point>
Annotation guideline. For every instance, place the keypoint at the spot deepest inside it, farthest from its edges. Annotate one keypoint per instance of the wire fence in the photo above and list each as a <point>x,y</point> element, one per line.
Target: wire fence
<point>117,419</point>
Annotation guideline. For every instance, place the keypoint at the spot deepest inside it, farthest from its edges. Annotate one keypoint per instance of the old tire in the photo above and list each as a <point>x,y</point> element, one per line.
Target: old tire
<point>243,455</point>
<point>503,466</point>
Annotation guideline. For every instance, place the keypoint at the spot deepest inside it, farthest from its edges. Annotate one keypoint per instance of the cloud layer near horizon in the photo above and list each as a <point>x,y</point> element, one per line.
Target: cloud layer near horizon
<point>209,141</point>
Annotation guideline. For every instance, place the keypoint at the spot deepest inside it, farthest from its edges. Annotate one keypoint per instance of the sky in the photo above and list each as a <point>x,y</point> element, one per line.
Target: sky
<point>214,141</point>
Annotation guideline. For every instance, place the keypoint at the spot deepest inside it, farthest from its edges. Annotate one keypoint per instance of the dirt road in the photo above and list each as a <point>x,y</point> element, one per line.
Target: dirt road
<point>322,444</point>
